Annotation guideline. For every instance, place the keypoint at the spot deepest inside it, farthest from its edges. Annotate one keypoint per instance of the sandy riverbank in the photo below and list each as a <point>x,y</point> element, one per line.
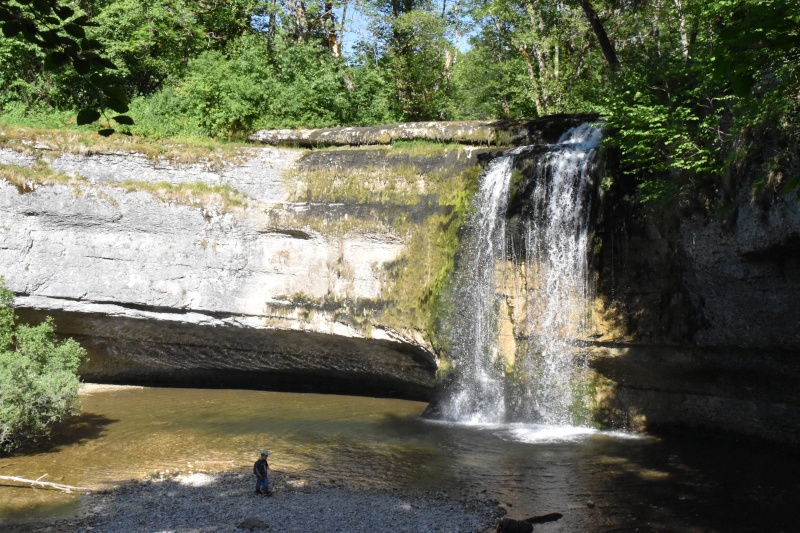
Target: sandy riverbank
<point>226,502</point>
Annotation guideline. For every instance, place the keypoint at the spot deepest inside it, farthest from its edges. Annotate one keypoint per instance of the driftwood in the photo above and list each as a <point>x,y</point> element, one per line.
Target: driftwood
<point>35,483</point>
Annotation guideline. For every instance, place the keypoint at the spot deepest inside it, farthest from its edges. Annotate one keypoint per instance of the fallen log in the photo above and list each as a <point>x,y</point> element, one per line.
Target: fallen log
<point>35,483</point>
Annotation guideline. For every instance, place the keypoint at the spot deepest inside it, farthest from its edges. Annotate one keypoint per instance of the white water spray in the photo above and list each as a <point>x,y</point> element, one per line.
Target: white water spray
<point>478,395</point>
<point>556,287</point>
<point>556,247</point>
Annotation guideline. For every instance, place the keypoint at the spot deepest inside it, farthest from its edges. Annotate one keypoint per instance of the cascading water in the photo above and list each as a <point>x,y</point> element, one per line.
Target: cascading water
<point>554,281</point>
<point>478,393</point>
<point>556,247</point>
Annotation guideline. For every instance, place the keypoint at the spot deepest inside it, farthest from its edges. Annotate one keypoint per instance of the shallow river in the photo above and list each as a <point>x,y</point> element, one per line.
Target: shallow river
<point>598,481</point>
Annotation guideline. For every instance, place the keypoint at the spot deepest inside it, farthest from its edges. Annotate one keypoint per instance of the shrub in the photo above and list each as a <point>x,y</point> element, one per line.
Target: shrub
<point>38,378</point>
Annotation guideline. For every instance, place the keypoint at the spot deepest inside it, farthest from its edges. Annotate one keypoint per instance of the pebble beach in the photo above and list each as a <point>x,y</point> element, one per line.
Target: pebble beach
<point>226,502</point>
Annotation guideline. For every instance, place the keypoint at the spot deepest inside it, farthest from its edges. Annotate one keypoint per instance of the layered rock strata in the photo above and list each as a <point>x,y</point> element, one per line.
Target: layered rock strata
<point>261,271</point>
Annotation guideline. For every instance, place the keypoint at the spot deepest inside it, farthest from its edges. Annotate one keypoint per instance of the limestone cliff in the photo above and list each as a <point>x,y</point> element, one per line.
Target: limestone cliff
<point>697,320</point>
<point>321,270</point>
<point>264,267</point>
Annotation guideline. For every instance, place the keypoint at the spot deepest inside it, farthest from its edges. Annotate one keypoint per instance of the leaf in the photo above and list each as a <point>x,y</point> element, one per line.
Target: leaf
<point>30,32</point>
<point>107,132</point>
<point>51,38</point>
<point>123,119</point>
<point>75,30</point>
<point>791,184</point>
<point>87,116</point>
<point>12,28</point>
<point>55,61</point>
<point>81,21</point>
<point>115,93</point>
<point>42,6</point>
<point>82,66</point>
<point>63,12</point>
<point>99,60</point>
<point>91,44</point>
<point>119,107</point>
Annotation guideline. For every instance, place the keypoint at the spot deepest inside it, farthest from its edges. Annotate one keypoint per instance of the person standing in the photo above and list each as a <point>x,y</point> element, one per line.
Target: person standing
<point>261,470</point>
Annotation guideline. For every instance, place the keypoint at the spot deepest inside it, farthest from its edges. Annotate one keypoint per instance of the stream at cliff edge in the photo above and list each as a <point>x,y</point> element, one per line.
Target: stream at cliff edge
<point>598,481</point>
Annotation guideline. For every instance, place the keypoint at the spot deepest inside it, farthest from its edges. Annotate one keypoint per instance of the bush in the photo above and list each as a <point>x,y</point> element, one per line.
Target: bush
<point>38,378</point>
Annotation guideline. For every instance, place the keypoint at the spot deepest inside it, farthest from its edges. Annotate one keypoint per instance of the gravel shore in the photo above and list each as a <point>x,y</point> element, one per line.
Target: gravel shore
<point>226,502</point>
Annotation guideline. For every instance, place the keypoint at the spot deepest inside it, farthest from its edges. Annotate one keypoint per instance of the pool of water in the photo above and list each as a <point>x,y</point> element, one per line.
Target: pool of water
<point>598,481</point>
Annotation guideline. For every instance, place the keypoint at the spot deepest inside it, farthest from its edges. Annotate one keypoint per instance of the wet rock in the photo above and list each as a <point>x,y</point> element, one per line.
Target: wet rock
<point>542,519</point>
<point>253,524</point>
<point>509,525</point>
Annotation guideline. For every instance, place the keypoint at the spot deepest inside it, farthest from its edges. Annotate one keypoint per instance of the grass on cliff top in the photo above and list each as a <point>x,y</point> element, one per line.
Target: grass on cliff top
<point>192,194</point>
<point>86,141</point>
<point>26,179</point>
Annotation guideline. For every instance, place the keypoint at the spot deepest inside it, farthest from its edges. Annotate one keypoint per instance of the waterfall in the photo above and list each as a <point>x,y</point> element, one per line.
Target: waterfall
<point>478,393</point>
<point>551,274</point>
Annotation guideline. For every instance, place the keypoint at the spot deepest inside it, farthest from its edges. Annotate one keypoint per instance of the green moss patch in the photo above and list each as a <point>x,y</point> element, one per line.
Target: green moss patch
<point>27,179</point>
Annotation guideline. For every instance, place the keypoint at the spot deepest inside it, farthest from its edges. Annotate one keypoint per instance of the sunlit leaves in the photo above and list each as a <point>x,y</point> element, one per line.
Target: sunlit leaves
<point>54,29</point>
<point>38,377</point>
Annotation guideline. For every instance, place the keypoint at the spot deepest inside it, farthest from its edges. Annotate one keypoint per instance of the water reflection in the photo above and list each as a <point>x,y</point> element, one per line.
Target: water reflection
<point>598,481</point>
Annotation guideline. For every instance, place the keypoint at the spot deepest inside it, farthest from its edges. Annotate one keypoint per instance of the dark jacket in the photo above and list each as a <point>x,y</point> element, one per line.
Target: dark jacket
<point>260,468</point>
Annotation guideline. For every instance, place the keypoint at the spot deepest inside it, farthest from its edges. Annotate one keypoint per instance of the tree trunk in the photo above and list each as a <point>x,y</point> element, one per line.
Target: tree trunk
<point>273,20</point>
<point>329,23</point>
<point>532,76</point>
<point>600,32</point>
<point>299,19</point>
<point>682,28</point>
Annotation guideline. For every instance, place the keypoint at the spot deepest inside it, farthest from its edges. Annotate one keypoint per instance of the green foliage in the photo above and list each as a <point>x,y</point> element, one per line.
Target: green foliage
<point>7,317</point>
<point>38,378</point>
<point>57,34</point>
<point>419,60</point>
<point>218,96</point>
<point>706,90</point>
<point>489,85</point>
<point>698,100</point>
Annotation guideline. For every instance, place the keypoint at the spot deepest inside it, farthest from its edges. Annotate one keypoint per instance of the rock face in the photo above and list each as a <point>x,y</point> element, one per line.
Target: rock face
<point>694,319</point>
<point>698,317</point>
<point>217,274</point>
<point>320,270</point>
<point>498,132</point>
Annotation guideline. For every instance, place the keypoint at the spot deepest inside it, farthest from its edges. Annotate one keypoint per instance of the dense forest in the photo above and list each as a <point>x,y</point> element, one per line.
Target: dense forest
<point>691,90</point>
